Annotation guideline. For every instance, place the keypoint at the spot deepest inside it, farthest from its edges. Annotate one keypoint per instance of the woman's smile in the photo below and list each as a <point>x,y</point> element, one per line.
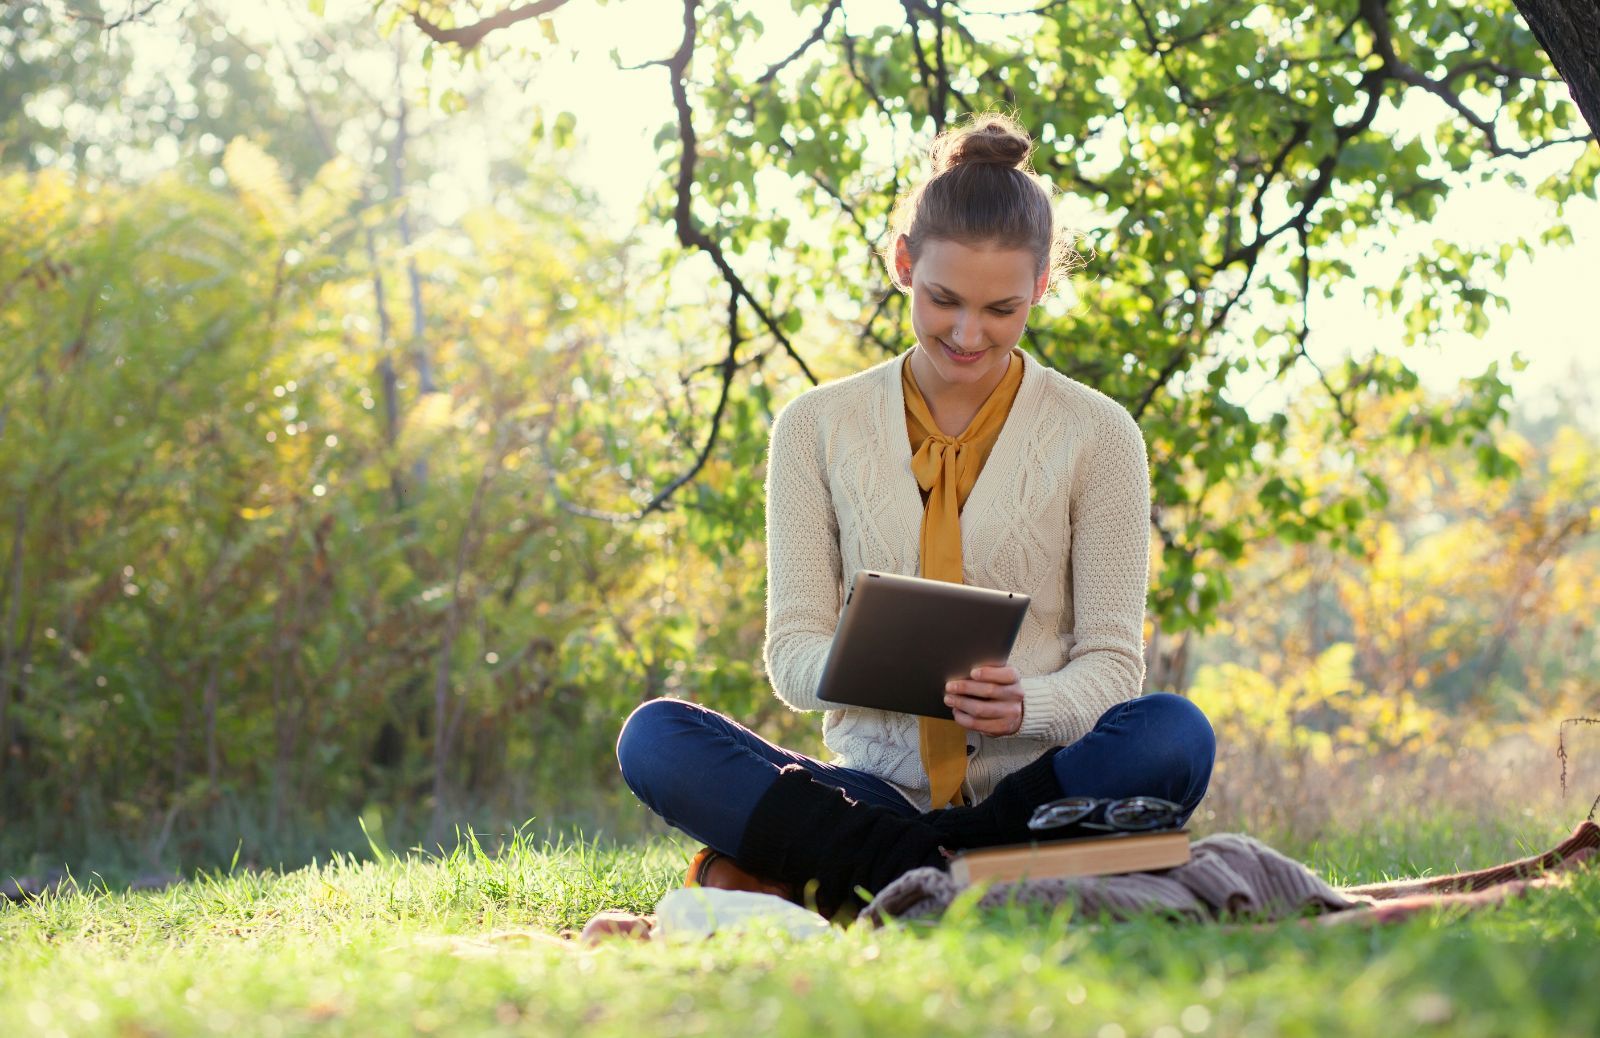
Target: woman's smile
<point>963,356</point>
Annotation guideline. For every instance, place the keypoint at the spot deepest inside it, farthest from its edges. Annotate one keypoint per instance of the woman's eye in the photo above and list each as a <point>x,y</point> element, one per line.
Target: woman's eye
<point>951,302</point>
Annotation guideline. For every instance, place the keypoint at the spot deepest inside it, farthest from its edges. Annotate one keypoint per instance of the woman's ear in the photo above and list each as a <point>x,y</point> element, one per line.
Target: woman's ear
<point>902,260</point>
<point>1040,285</point>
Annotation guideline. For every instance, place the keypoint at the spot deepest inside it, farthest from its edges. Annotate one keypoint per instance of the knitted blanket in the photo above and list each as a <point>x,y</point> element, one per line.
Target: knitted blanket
<point>1230,876</point>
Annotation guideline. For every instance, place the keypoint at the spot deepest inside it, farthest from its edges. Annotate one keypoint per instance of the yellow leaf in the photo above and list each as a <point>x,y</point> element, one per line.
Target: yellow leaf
<point>259,181</point>
<point>329,195</point>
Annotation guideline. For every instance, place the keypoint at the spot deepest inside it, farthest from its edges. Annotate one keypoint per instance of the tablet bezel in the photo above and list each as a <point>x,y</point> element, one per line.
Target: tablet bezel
<point>900,639</point>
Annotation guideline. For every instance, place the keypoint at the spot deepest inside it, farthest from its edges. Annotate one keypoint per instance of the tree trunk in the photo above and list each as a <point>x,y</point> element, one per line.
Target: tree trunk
<point>447,720</point>
<point>10,667</point>
<point>1569,31</point>
<point>209,709</point>
<point>1166,661</point>
<point>419,344</point>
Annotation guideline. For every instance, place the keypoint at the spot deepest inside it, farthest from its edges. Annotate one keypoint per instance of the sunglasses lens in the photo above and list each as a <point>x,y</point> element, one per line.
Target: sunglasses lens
<point>1138,813</point>
<point>1058,813</point>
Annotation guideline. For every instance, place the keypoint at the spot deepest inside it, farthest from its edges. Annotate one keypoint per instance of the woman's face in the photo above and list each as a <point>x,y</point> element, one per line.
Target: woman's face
<point>969,304</point>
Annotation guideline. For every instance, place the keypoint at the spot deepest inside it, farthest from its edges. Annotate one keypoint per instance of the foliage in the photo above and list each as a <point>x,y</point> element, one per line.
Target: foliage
<point>229,584</point>
<point>1229,161</point>
<point>1472,594</point>
<point>1320,710</point>
<point>1439,662</point>
<point>33,54</point>
<point>72,98</point>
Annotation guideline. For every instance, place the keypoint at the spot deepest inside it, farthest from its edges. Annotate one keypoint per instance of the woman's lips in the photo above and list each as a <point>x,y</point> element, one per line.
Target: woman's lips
<point>962,358</point>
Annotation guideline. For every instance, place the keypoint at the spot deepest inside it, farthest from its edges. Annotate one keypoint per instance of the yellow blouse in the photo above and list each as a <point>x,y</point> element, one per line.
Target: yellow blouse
<point>946,468</point>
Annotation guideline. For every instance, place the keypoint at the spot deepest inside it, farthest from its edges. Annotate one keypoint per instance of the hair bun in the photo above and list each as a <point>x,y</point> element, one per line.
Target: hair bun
<point>981,192</point>
<point>993,141</point>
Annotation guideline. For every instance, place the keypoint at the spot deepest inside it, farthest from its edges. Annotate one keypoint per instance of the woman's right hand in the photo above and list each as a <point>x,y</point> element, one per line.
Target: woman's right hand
<point>990,702</point>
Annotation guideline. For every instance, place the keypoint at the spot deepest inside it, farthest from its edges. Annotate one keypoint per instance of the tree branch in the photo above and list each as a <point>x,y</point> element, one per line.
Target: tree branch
<point>730,364</point>
<point>690,234</point>
<point>1159,49</point>
<point>136,12</point>
<point>931,84</point>
<point>1322,180</point>
<point>467,37</point>
<point>1486,65</point>
<point>844,206</point>
<point>1346,419</point>
<point>861,78</point>
<point>827,16</point>
<point>1376,15</point>
<point>1179,355</point>
<point>1302,130</point>
<point>872,318</point>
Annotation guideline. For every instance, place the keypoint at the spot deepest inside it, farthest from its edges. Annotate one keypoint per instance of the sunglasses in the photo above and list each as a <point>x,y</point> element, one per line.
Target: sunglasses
<point>1126,814</point>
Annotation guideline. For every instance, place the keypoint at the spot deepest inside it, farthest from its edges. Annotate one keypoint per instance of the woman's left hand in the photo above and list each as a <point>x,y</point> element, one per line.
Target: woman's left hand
<point>990,702</point>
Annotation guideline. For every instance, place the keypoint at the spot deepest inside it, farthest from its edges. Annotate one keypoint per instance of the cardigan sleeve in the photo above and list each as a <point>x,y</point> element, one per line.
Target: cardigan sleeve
<point>1108,580</point>
<point>803,563</point>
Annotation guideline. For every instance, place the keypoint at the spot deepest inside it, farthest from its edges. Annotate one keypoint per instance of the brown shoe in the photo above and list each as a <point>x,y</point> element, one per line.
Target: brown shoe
<point>715,870</point>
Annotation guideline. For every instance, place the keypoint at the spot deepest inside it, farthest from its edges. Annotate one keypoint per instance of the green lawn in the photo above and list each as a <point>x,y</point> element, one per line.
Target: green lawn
<point>466,945</point>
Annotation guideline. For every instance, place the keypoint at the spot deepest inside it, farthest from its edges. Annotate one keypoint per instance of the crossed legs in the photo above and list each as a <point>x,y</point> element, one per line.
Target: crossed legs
<point>704,773</point>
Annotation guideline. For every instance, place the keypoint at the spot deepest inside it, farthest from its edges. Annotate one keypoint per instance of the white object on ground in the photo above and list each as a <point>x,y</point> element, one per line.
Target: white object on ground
<point>703,911</point>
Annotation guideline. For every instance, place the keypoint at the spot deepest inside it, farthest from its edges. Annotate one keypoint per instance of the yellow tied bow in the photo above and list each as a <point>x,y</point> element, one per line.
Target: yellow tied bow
<point>946,468</point>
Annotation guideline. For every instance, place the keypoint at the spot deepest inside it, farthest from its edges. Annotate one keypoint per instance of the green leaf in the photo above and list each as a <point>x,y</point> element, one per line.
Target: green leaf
<point>561,133</point>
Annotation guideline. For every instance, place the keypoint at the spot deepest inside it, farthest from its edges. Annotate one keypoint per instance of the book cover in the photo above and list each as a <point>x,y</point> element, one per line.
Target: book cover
<point>1106,855</point>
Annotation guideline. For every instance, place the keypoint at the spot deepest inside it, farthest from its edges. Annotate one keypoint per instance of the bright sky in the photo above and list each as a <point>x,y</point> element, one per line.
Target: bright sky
<point>618,113</point>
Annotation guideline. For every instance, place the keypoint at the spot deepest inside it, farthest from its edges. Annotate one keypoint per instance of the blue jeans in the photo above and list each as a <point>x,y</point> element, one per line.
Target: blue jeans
<point>704,774</point>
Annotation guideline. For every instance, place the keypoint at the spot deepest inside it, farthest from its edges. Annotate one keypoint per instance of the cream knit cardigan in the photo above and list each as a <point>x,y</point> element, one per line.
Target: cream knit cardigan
<point>1061,511</point>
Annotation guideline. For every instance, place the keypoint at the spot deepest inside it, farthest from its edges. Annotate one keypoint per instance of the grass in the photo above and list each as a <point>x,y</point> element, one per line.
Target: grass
<point>466,944</point>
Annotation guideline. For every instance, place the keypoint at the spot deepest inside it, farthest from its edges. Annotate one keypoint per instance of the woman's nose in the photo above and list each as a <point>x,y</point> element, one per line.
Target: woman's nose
<point>965,330</point>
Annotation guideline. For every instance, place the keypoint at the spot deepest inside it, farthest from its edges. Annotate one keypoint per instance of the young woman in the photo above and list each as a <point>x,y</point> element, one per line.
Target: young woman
<point>962,459</point>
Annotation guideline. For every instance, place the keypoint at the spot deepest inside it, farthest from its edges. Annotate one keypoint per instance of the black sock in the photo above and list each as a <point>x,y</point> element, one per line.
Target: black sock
<point>803,831</point>
<point>1003,817</point>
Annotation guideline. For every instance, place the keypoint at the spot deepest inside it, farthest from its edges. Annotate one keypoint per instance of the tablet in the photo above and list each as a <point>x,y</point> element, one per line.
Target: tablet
<point>900,639</point>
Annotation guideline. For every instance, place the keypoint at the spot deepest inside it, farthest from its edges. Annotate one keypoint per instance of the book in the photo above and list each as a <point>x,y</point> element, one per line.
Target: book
<point>1106,855</point>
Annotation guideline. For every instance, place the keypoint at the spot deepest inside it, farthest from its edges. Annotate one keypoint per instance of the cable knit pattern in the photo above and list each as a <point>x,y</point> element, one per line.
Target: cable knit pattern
<point>1061,512</point>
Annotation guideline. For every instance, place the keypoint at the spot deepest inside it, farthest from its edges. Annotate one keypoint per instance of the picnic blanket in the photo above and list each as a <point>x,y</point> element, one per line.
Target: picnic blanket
<point>1235,877</point>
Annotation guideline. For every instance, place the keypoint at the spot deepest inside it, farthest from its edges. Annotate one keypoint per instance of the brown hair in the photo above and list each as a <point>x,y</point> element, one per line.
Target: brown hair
<point>982,191</point>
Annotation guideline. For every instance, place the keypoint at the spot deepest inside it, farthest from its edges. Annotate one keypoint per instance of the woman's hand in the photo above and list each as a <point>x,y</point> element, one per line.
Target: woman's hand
<point>990,702</point>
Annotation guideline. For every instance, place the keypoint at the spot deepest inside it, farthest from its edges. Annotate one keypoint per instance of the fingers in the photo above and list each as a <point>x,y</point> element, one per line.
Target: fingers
<point>1010,691</point>
<point>989,703</point>
<point>998,719</point>
<point>985,708</point>
<point>996,710</point>
<point>1006,675</point>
